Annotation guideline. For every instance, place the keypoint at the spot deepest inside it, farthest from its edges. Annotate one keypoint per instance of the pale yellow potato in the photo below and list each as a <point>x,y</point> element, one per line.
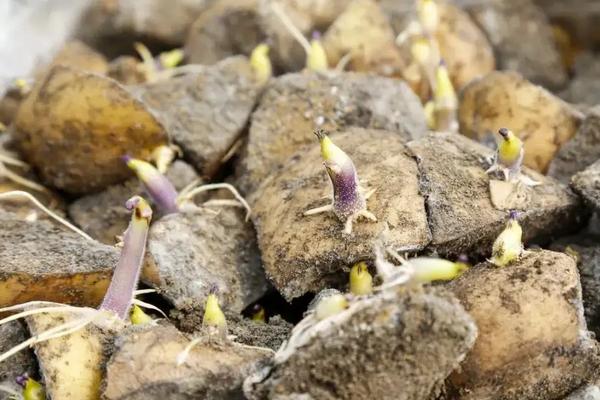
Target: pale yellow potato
<point>505,99</point>
<point>463,46</point>
<point>75,125</point>
<point>364,32</point>
<point>533,342</point>
<point>306,15</point>
<point>72,365</point>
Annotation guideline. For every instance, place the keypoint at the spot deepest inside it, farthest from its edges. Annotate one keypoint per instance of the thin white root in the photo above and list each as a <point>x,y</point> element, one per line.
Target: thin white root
<point>56,217</point>
<point>343,63</point>
<point>370,193</point>
<point>396,256</point>
<point>144,291</point>
<point>143,304</point>
<point>527,181</point>
<point>493,168</point>
<point>295,32</point>
<point>182,357</point>
<point>318,210</point>
<point>222,203</point>
<point>246,346</point>
<point>9,390</point>
<point>348,226</point>
<point>183,192</point>
<point>8,160</point>
<point>212,186</point>
<point>368,215</point>
<point>16,178</point>
<point>41,310</point>
<point>232,150</point>
<point>56,332</point>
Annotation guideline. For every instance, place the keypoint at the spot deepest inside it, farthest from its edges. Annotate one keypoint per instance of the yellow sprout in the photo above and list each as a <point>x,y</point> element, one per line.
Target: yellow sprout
<point>428,15</point>
<point>429,269</point>
<point>33,390</point>
<point>260,63</point>
<point>429,110</point>
<point>508,246</point>
<point>138,316</point>
<point>509,148</point>
<point>259,314</point>
<point>23,85</point>
<point>213,315</point>
<point>330,305</point>
<point>444,94</point>
<point>171,59</point>
<point>421,51</point>
<point>316,59</point>
<point>361,281</point>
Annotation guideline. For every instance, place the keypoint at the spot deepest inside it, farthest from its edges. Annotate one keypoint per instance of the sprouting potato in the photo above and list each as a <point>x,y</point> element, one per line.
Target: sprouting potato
<point>306,15</point>
<point>541,120</point>
<point>363,33</point>
<point>71,364</point>
<point>74,127</point>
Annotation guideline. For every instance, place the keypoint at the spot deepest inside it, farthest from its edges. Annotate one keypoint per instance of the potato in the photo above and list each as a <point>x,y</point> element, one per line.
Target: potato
<point>75,125</point>
<point>227,28</point>
<point>76,54</point>
<point>505,99</point>
<point>306,15</point>
<point>143,367</point>
<point>462,44</point>
<point>533,341</point>
<point>113,26</point>
<point>363,31</point>
<point>72,365</point>
<point>43,261</point>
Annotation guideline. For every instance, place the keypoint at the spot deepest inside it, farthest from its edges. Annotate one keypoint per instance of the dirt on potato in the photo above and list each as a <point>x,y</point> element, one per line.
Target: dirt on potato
<point>211,371</point>
<point>461,215</point>
<point>44,261</point>
<point>398,344</point>
<point>205,112</point>
<point>295,104</point>
<point>533,341</point>
<point>308,253</point>
<point>540,119</point>
<point>191,252</point>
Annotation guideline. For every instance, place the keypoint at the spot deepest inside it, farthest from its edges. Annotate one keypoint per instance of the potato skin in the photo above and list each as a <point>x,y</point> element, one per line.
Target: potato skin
<point>72,365</point>
<point>505,99</point>
<point>75,125</point>
<point>533,341</point>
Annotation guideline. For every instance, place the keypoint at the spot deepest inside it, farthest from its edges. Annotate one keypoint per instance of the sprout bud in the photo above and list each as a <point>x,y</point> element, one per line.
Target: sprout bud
<point>260,63</point>
<point>138,316</point>
<point>330,305</point>
<point>361,281</point>
<point>508,247</point>
<point>161,190</point>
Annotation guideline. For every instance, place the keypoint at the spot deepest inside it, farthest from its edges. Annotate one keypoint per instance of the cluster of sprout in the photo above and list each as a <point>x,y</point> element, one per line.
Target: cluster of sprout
<point>420,35</point>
